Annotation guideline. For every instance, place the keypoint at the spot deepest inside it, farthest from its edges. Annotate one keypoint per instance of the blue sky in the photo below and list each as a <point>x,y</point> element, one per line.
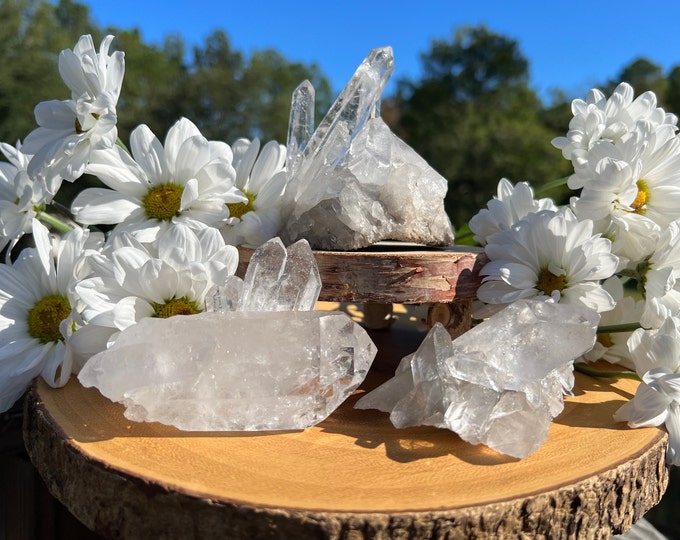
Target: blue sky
<point>570,45</point>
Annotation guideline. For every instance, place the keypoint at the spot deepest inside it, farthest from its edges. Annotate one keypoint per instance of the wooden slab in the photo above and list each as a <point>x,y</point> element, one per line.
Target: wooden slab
<point>388,275</point>
<point>353,476</point>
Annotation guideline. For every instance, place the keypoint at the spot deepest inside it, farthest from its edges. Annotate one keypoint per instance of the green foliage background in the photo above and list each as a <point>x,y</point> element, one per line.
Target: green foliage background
<point>227,94</point>
<point>473,115</point>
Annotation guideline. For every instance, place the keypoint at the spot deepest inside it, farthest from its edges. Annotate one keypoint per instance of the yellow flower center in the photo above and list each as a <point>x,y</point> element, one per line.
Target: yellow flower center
<point>639,205</point>
<point>162,202</point>
<point>549,282</point>
<point>45,317</point>
<point>175,306</point>
<point>239,209</point>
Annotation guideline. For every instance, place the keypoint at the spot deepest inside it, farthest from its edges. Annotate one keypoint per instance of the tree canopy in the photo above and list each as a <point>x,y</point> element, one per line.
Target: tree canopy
<point>226,93</point>
<point>475,119</point>
<point>473,114</point>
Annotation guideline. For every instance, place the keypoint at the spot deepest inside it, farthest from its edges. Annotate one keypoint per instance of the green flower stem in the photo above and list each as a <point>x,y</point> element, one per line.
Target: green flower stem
<point>614,328</point>
<point>120,143</point>
<point>546,188</point>
<point>618,374</point>
<point>54,222</point>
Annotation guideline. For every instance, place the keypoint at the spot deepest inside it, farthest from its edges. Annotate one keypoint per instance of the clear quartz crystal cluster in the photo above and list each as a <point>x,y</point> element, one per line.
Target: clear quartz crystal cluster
<point>499,384</point>
<point>262,360</point>
<point>352,182</point>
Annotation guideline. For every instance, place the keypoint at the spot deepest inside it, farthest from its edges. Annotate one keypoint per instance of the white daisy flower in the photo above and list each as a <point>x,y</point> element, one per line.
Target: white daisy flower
<point>20,197</point>
<point>189,180</point>
<point>511,204</point>
<point>656,355</point>
<point>659,276</point>
<point>262,180</point>
<point>552,255</point>
<point>130,281</point>
<point>37,312</point>
<point>613,347</point>
<point>601,119</point>
<point>633,238</point>
<point>639,175</point>
<point>68,130</point>
<point>610,202</point>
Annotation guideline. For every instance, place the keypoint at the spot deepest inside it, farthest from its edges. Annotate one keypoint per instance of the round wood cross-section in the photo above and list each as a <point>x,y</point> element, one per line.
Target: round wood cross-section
<point>386,275</point>
<point>353,476</point>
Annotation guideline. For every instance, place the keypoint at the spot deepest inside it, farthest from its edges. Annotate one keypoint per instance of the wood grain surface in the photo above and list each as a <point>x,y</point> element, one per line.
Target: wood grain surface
<point>352,476</point>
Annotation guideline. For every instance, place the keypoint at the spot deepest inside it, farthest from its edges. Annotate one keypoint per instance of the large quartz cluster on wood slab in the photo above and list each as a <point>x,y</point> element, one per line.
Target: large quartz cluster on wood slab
<point>262,360</point>
<point>351,181</point>
<point>499,384</point>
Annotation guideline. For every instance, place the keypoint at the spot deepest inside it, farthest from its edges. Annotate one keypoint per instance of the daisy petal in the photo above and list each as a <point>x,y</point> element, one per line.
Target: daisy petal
<point>103,206</point>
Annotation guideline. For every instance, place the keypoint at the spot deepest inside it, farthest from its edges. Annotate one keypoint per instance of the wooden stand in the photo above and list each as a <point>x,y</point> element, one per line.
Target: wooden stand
<point>353,476</point>
<point>444,279</point>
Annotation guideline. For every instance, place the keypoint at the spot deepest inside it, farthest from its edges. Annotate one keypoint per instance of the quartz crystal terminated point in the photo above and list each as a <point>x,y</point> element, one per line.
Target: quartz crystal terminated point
<point>277,279</point>
<point>261,281</point>
<point>300,282</point>
<point>358,101</point>
<point>225,297</point>
<point>355,182</point>
<point>280,279</point>
<point>300,125</point>
<point>234,371</point>
<point>499,384</point>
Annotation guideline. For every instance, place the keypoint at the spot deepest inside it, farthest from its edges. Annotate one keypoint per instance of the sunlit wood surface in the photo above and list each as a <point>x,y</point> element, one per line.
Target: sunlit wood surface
<point>352,476</point>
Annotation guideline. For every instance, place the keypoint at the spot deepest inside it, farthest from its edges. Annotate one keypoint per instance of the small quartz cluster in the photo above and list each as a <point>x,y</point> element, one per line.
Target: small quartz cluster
<point>352,182</point>
<point>277,279</point>
<point>499,384</point>
<point>260,360</point>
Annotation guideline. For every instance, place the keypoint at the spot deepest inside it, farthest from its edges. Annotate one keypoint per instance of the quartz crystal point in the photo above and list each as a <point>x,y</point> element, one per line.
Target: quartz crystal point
<point>301,125</point>
<point>226,297</point>
<point>499,384</point>
<point>234,371</point>
<point>353,182</point>
<point>280,279</point>
<point>263,277</point>
<point>277,279</point>
<point>355,104</point>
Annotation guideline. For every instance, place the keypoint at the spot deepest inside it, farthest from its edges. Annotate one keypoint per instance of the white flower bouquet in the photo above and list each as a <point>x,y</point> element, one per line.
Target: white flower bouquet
<point>615,247</point>
<point>175,209</point>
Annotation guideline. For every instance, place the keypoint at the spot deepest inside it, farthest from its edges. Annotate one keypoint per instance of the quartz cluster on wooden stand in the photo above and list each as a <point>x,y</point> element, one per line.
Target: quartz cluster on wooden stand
<point>351,181</point>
